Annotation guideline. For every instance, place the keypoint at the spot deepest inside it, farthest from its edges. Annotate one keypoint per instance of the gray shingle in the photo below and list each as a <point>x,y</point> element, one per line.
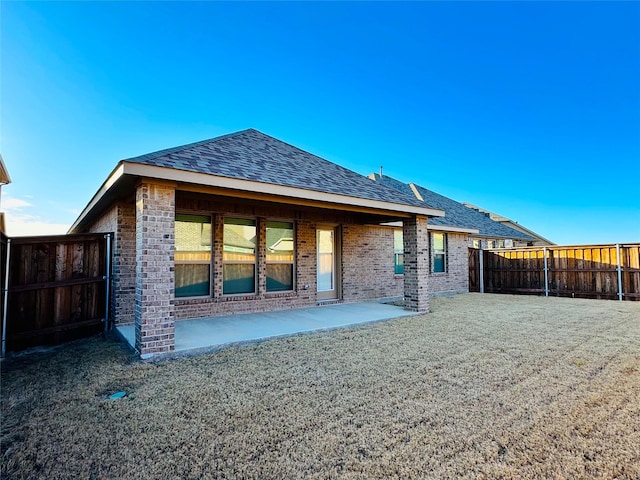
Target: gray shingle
<point>456,214</point>
<point>252,155</point>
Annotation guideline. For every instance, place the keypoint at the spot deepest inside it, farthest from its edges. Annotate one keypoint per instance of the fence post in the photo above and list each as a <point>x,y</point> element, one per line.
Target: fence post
<point>481,268</point>
<point>5,299</point>
<point>107,281</point>
<point>546,272</point>
<point>619,272</point>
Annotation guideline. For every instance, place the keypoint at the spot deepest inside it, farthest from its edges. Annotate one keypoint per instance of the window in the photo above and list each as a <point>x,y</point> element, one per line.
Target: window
<point>398,252</point>
<point>280,247</point>
<point>476,243</point>
<point>239,256</point>
<point>439,242</point>
<point>192,255</point>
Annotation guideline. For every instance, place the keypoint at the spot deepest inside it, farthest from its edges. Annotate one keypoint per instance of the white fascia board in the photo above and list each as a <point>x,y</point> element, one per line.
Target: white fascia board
<point>106,186</point>
<point>195,178</point>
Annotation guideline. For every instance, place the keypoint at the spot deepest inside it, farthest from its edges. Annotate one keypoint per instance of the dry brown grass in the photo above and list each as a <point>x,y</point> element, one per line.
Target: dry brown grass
<point>484,387</point>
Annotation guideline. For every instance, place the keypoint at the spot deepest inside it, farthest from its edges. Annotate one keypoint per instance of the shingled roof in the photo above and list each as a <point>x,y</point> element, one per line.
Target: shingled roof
<point>252,155</point>
<point>456,214</point>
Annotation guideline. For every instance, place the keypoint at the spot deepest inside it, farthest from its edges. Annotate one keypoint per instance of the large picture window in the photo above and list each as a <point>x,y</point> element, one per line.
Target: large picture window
<point>280,255</point>
<point>439,243</point>
<point>239,256</point>
<point>192,255</point>
<point>398,252</point>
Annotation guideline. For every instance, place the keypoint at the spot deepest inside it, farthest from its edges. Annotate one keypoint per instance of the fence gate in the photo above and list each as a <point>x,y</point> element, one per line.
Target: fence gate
<point>474,269</point>
<point>57,289</point>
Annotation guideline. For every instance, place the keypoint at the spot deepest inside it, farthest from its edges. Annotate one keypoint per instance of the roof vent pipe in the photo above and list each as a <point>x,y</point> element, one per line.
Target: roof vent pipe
<point>380,171</point>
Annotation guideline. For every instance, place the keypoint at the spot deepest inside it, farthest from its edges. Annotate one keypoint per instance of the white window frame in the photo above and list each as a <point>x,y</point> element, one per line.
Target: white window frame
<point>435,252</point>
<point>293,259</point>
<point>240,262</point>
<point>196,262</point>
<point>397,253</point>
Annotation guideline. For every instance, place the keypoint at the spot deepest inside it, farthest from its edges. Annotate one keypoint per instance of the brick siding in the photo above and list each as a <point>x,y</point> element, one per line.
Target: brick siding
<point>456,277</point>
<point>120,220</point>
<point>416,263</point>
<point>154,308</point>
<point>368,264</point>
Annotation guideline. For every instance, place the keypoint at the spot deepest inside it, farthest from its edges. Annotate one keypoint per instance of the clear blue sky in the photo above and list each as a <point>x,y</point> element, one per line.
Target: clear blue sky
<point>527,109</point>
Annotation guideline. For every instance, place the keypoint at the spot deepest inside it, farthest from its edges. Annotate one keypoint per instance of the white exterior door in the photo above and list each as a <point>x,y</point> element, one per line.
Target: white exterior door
<point>327,261</point>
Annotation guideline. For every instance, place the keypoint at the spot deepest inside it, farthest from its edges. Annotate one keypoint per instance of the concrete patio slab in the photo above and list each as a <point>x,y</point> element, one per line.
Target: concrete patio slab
<point>214,333</point>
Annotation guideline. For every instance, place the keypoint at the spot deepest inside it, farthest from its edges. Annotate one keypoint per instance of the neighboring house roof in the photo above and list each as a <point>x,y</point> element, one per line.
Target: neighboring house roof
<point>456,215</point>
<point>510,223</point>
<point>256,165</point>
<point>4,174</point>
<point>234,239</point>
<point>279,239</point>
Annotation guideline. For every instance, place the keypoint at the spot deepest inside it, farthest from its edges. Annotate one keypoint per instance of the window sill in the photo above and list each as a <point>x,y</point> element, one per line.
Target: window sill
<point>192,300</point>
<point>186,300</point>
<point>234,298</point>
<point>230,297</point>
<point>283,294</point>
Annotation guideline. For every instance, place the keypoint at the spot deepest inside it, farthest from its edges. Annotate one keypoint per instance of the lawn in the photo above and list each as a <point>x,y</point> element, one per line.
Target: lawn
<point>485,386</point>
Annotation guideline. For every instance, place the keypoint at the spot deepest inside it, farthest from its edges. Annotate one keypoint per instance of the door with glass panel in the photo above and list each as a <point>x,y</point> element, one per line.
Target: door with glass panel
<point>327,258</point>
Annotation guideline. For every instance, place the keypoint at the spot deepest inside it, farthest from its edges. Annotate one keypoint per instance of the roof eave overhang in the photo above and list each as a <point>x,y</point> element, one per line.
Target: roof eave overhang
<point>214,184</point>
<point>99,197</point>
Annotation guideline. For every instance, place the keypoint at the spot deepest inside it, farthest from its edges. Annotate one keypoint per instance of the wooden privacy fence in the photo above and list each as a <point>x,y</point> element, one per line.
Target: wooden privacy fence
<point>593,271</point>
<point>57,289</point>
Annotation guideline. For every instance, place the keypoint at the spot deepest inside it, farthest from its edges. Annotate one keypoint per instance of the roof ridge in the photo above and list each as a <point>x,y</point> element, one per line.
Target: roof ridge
<point>378,184</point>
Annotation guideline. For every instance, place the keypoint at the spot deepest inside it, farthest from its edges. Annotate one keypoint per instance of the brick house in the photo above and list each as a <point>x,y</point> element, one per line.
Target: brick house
<point>248,223</point>
<point>451,235</point>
